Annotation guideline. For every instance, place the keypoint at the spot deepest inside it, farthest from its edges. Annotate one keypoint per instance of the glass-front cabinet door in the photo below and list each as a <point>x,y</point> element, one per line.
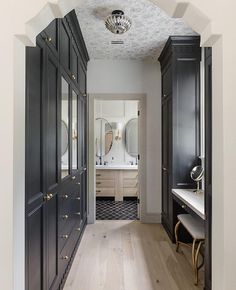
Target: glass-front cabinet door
<point>74,131</point>
<point>65,125</point>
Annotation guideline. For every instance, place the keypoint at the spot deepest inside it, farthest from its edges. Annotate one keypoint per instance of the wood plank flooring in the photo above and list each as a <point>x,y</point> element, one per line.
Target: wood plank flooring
<point>129,255</point>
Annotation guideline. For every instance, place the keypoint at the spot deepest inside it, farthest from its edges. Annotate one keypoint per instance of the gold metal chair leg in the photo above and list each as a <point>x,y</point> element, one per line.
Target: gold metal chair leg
<point>193,253</point>
<point>176,235</point>
<point>196,268</point>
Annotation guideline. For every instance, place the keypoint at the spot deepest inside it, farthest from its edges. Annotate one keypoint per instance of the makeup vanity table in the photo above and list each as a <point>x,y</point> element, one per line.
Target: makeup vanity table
<point>190,201</point>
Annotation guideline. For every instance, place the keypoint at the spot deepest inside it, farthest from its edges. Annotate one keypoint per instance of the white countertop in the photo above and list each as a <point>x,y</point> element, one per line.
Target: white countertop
<point>117,167</point>
<point>193,200</point>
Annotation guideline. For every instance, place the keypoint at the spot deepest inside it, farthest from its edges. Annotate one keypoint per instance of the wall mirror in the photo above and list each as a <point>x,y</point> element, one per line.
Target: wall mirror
<point>103,137</point>
<point>197,175</point>
<point>131,137</point>
<point>64,137</point>
<point>64,128</point>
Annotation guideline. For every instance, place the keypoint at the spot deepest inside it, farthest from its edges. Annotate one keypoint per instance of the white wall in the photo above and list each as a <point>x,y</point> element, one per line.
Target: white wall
<point>129,77</point>
<point>117,111</point>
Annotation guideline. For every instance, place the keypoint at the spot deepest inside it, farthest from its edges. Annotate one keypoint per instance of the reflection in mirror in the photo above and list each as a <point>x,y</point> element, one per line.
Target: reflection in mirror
<point>103,137</point>
<point>74,130</point>
<point>64,128</point>
<point>197,175</point>
<point>131,137</point>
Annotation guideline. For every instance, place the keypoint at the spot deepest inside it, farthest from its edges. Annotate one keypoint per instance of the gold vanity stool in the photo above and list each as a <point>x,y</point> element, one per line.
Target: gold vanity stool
<point>196,230</point>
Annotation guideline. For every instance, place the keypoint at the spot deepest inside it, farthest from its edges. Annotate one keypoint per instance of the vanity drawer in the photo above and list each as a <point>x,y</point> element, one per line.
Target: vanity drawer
<point>130,174</point>
<point>133,183</point>
<point>130,191</point>
<point>105,174</point>
<point>105,192</point>
<point>105,183</point>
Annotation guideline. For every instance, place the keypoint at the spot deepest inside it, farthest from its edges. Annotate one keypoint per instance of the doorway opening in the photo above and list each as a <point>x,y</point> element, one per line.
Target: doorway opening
<point>116,154</point>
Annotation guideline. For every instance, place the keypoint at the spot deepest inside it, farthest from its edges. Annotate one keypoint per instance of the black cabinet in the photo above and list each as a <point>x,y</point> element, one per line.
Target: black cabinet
<point>56,175</point>
<point>180,66</point>
<point>208,167</point>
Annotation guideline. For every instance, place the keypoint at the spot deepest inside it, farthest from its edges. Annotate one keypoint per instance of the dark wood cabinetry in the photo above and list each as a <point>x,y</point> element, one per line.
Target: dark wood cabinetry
<point>56,177</point>
<point>180,66</point>
<point>208,167</point>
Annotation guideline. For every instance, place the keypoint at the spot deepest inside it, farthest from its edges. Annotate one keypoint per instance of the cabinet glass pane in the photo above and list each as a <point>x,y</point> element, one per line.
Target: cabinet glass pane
<point>74,130</point>
<point>64,128</point>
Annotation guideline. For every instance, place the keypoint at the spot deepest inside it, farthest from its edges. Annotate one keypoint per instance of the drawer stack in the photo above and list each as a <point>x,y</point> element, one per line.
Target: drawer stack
<point>105,182</point>
<point>130,183</point>
<point>116,183</point>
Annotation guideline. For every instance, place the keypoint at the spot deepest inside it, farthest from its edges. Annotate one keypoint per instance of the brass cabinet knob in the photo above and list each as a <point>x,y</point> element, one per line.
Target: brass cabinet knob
<point>65,237</point>
<point>84,95</point>
<point>48,196</point>
<point>65,196</point>
<point>183,206</point>
<point>78,183</point>
<point>73,76</point>
<point>73,177</point>
<point>77,229</point>
<point>65,217</point>
<point>65,257</point>
<point>78,198</point>
<point>77,213</point>
<point>49,39</point>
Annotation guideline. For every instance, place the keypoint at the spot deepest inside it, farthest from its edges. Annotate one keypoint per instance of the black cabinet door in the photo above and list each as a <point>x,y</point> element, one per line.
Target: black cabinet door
<point>35,247</point>
<point>166,166</point>
<point>50,35</point>
<point>208,167</point>
<point>51,161</point>
<point>65,45</point>
<point>74,62</point>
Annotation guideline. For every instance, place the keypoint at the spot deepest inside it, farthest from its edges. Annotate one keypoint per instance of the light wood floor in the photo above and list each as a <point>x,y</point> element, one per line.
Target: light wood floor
<point>128,255</point>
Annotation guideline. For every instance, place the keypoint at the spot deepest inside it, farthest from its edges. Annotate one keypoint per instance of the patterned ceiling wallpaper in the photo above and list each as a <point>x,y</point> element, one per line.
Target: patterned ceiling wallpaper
<point>150,29</point>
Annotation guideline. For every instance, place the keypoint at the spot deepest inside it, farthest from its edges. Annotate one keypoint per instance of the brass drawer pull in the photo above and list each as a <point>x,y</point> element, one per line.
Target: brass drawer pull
<point>65,196</point>
<point>98,190</point>
<point>78,198</point>
<point>98,174</point>
<point>48,196</point>
<point>77,213</point>
<point>78,183</point>
<point>65,237</point>
<point>65,217</point>
<point>77,229</point>
<point>65,258</point>
<point>98,182</point>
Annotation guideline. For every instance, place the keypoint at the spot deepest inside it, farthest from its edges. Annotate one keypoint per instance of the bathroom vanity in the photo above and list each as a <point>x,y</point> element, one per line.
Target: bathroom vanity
<point>117,181</point>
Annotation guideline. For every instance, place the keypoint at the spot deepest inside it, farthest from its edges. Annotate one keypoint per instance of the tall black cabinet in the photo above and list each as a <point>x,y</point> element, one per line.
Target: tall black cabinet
<point>56,174</point>
<point>180,67</point>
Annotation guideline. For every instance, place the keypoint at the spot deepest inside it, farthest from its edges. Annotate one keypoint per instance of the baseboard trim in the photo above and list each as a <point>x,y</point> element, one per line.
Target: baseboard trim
<point>152,218</point>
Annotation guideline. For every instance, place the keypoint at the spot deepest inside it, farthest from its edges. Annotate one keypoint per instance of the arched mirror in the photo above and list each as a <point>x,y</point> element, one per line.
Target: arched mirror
<point>131,137</point>
<point>103,137</point>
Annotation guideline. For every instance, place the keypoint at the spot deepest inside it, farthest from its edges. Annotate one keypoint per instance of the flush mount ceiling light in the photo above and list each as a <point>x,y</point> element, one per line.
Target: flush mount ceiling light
<point>117,22</point>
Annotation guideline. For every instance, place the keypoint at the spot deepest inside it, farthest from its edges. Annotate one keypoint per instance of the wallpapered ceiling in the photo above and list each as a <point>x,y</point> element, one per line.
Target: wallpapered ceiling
<point>150,29</point>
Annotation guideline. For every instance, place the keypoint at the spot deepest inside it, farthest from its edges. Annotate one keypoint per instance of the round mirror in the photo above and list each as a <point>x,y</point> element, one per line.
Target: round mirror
<point>197,175</point>
<point>64,137</point>
<point>131,137</point>
<point>103,137</point>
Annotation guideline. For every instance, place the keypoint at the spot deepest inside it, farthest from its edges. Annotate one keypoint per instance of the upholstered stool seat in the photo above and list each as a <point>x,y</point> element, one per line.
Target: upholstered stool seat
<point>195,227</point>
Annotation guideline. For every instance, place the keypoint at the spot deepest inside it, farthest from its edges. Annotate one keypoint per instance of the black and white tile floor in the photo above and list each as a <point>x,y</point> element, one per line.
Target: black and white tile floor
<point>116,210</point>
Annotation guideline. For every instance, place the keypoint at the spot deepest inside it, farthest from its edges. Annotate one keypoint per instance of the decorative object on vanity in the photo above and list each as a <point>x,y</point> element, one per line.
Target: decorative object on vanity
<point>131,137</point>
<point>104,137</point>
<point>117,22</point>
<point>118,131</point>
<point>197,175</point>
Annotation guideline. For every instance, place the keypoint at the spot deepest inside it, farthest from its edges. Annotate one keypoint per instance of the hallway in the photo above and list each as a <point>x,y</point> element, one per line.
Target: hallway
<point>129,255</point>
